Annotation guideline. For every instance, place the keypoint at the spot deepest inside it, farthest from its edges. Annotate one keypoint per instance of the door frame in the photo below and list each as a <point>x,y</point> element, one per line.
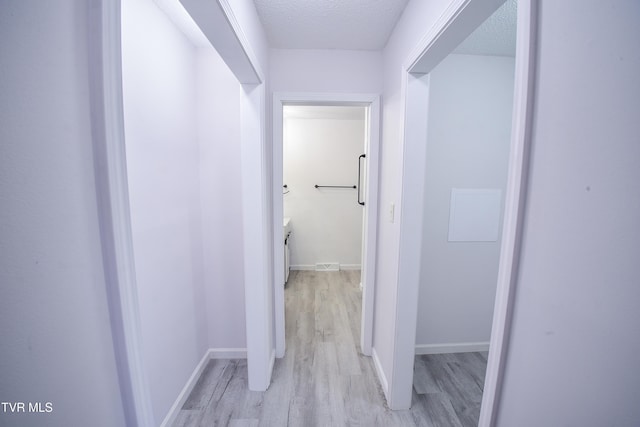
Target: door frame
<point>370,219</point>
<point>458,21</point>
<point>218,23</point>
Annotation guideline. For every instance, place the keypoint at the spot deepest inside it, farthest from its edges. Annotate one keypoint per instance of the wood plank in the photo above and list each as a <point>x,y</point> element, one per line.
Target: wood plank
<point>423,380</point>
<point>203,390</point>
<point>324,380</point>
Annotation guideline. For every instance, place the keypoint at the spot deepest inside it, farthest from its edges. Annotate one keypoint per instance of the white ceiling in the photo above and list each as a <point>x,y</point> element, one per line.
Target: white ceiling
<point>496,36</point>
<point>329,24</point>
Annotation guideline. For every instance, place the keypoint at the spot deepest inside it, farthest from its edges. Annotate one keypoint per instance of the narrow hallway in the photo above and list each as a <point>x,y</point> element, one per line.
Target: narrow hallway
<point>323,380</point>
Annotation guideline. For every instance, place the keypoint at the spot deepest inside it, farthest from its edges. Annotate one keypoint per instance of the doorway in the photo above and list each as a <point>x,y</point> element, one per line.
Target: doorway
<point>453,27</point>
<point>367,194</point>
<point>467,153</point>
<point>323,157</point>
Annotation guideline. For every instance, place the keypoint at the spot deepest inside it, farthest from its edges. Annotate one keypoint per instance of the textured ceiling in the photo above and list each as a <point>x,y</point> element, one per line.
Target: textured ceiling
<point>496,36</point>
<point>329,24</point>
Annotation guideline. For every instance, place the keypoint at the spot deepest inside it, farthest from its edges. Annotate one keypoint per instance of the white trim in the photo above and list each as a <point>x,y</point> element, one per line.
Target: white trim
<point>218,23</point>
<point>107,117</point>
<point>370,226</point>
<point>410,246</point>
<point>244,42</point>
<point>171,416</point>
<point>381,377</point>
<point>448,32</point>
<point>372,101</point>
<point>312,267</point>
<point>515,199</point>
<point>303,267</point>
<point>272,360</point>
<point>258,287</point>
<point>227,353</point>
<point>428,40</point>
<point>459,20</point>
<point>462,347</point>
<point>278,214</point>
<point>211,354</point>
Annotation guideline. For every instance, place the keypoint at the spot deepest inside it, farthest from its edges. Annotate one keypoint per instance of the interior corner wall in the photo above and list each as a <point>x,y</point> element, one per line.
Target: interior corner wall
<point>574,341</point>
<point>159,70</point>
<point>218,100</point>
<point>56,343</point>
<point>469,129</point>
<point>416,20</point>
<point>326,223</point>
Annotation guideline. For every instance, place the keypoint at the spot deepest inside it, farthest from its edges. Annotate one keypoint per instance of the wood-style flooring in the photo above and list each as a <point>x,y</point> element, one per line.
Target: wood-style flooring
<point>323,380</point>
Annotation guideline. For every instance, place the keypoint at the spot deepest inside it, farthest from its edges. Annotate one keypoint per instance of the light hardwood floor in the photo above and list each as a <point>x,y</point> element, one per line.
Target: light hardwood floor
<point>323,380</point>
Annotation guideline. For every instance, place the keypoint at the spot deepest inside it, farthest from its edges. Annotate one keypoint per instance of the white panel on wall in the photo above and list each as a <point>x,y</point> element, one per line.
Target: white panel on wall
<point>474,215</point>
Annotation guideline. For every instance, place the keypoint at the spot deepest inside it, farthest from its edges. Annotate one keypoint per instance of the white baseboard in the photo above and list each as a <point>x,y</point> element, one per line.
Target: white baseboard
<point>212,353</point>
<point>186,390</point>
<point>464,347</point>
<point>312,267</point>
<point>228,353</point>
<point>272,362</point>
<point>381,377</point>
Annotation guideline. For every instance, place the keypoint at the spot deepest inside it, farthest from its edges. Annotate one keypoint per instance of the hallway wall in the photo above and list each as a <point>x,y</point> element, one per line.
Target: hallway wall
<point>415,21</point>
<point>220,174</point>
<point>55,334</point>
<point>159,71</point>
<point>300,70</point>
<point>182,123</point>
<point>574,341</point>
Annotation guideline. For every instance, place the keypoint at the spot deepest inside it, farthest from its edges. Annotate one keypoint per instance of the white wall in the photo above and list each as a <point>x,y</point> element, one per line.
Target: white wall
<point>218,112</point>
<point>321,71</point>
<point>183,148</point>
<point>574,344</point>
<point>470,106</point>
<point>415,21</point>
<point>326,223</point>
<point>55,337</point>
<point>299,70</point>
<point>159,71</point>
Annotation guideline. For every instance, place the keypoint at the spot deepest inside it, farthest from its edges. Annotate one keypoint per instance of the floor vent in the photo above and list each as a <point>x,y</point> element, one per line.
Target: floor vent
<point>327,266</point>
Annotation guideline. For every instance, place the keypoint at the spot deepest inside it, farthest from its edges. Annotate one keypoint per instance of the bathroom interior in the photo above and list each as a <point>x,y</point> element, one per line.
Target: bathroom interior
<point>322,187</point>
